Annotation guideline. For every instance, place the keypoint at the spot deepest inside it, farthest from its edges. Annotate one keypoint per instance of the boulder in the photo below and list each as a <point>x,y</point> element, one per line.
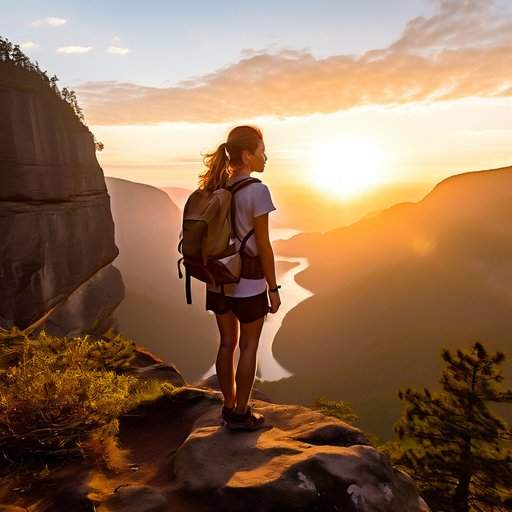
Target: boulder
<point>136,498</point>
<point>146,365</point>
<point>301,460</point>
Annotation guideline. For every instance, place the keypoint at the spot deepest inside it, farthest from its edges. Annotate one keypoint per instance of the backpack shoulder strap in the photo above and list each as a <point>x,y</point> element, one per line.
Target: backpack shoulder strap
<point>234,189</point>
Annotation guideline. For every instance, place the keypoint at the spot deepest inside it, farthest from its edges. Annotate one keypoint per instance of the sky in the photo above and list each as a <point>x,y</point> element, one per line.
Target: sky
<point>350,95</point>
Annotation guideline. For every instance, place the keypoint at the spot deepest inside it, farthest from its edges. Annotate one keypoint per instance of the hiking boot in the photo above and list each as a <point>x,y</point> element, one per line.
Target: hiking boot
<point>226,413</point>
<point>249,420</point>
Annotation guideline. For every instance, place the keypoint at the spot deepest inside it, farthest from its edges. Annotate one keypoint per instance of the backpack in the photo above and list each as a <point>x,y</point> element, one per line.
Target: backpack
<point>205,240</point>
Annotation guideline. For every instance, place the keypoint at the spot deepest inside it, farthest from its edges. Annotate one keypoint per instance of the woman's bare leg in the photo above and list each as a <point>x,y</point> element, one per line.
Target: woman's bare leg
<point>228,328</point>
<point>249,339</point>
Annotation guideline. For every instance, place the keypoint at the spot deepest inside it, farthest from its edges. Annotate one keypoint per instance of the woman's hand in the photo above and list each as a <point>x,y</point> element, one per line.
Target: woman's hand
<point>275,301</point>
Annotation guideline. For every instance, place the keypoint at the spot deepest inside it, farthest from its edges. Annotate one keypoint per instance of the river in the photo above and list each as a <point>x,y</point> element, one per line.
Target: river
<point>291,294</point>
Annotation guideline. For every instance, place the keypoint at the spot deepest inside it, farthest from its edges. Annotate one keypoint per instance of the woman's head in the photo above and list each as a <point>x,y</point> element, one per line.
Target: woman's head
<point>244,149</point>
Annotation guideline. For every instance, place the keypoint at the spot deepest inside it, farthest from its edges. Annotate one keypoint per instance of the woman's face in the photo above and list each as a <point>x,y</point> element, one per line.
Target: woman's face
<point>257,160</point>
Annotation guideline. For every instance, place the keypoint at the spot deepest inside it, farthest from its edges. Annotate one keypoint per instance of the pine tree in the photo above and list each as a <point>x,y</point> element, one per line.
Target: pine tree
<point>452,443</point>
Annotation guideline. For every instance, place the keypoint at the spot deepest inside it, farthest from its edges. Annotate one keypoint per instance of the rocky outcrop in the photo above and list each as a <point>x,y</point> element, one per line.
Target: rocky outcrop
<point>146,365</point>
<point>180,457</point>
<point>302,460</point>
<point>57,232</point>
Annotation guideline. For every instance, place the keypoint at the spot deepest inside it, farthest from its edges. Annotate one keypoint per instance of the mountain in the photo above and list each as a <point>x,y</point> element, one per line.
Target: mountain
<point>154,311</point>
<point>178,195</point>
<point>57,234</point>
<point>306,208</point>
<point>392,289</point>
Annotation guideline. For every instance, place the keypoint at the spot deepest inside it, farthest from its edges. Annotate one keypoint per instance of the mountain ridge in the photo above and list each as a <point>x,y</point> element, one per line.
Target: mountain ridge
<point>390,291</point>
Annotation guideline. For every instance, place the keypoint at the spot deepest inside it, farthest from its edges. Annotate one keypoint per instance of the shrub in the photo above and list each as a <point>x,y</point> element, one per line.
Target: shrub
<point>58,395</point>
<point>114,352</point>
<point>336,408</point>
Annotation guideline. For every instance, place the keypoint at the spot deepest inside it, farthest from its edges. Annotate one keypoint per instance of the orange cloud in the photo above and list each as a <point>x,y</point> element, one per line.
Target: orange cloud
<point>464,50</point>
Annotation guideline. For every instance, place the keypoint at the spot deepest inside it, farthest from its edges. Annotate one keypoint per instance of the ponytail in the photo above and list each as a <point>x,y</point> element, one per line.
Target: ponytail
<point>217,169</point>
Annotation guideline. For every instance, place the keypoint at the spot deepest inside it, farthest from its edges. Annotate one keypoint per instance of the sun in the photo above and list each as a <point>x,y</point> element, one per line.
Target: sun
<point>346,167</point>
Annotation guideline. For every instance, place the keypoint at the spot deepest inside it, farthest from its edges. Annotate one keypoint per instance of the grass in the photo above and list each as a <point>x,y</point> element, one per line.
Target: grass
<point>62,397</point>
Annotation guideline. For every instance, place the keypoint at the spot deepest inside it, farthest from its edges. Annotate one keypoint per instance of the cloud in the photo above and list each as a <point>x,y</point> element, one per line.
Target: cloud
<point>115,47</point>
<point>74,49</point>
<point>118,50</point>
<point>49,22</point>
<point>28,45</point>
<point>458,23</point>
<point>463,50</point>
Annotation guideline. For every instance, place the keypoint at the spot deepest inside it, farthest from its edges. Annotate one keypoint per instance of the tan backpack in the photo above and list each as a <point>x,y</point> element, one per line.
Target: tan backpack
<point>205,239</point>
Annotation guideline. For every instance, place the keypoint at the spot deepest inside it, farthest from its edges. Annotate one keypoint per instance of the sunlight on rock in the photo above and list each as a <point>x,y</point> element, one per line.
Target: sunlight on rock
<point>388,493</point>
<point>306,483</point>
<point>355,493</point>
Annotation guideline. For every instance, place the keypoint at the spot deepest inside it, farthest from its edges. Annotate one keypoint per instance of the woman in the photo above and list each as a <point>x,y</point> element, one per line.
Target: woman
<point>244,305</point>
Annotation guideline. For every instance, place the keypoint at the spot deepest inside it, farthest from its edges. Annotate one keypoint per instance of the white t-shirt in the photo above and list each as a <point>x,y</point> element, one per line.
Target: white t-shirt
<point>250,201</point>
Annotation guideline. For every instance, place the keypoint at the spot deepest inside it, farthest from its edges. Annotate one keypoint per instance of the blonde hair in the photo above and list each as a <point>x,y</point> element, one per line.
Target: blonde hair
<point>217,163</point>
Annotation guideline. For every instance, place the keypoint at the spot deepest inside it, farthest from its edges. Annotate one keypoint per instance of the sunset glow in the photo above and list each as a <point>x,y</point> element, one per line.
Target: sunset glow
<point>348,106</point>
<point>346,167</point>
<point>306,200</point>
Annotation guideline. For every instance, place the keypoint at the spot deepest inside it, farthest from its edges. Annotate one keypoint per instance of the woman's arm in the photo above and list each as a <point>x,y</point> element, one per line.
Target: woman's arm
<point>265,251</point>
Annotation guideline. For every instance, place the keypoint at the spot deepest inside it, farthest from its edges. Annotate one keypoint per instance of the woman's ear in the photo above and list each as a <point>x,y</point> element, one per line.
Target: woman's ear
<point>246,154</point>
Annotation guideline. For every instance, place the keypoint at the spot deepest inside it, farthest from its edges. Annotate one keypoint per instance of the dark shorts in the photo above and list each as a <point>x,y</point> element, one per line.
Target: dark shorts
<point>246,309</point>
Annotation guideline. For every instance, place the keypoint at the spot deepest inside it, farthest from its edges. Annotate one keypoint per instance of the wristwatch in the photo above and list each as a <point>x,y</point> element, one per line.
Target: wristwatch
<point>274,289</point>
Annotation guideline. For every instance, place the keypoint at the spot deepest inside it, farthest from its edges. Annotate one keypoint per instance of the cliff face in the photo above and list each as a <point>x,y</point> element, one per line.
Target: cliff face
<point>56,228</point>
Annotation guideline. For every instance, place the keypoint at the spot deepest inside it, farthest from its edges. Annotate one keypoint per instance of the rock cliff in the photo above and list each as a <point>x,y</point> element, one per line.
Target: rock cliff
<point>56,228</point>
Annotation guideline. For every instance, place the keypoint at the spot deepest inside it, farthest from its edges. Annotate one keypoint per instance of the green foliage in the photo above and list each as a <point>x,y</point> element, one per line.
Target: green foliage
<point>453,444</point>
<point>343,411</point>
<point>58,395</point>
<point>114,352</point>
<point>336,408</point>
<point>51,401</point>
